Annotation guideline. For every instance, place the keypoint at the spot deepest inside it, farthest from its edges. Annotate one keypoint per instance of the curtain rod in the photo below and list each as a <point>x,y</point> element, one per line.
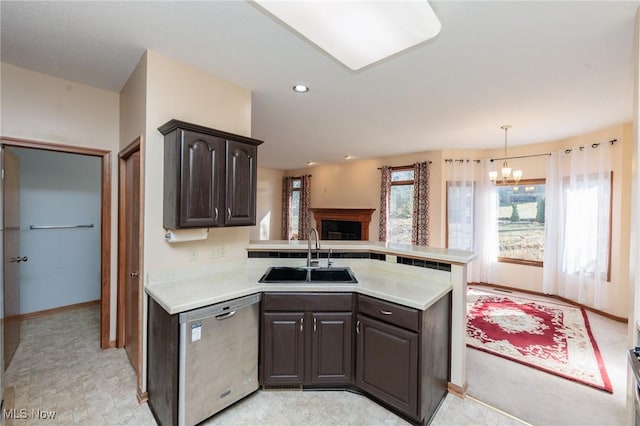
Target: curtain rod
<point>451,160</point>
<point>593,145</point>
<point>410,166</point>
<point>566,151</point>
<point>520,156</point>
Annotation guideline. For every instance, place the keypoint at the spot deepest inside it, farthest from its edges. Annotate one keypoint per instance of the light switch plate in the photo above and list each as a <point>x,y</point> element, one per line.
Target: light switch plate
<point>193,255</point>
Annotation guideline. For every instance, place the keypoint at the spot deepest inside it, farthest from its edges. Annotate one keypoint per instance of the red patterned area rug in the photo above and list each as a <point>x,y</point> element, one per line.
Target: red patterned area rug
<point>549,336</point>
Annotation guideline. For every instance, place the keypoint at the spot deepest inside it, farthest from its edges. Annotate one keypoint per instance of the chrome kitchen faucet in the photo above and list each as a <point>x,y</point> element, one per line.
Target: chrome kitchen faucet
<point>310,262</point>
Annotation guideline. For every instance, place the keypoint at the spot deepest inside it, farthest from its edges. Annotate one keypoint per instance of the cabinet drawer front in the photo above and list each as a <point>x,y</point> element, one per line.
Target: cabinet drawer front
<point>392,313</point>
<point>307,301</point>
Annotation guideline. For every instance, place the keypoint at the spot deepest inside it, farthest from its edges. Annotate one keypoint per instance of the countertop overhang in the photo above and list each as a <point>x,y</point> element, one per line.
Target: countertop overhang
<point>180,291</point>
<point>428,253</point>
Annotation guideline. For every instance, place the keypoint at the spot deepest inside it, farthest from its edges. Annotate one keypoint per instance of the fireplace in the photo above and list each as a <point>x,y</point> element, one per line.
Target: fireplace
<point>341,230</point>
<point>343,224</point>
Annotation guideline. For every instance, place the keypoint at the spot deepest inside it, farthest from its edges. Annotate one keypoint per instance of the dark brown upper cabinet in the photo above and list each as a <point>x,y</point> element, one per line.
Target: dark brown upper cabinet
<point>241,184</point>
<point>210,177</point>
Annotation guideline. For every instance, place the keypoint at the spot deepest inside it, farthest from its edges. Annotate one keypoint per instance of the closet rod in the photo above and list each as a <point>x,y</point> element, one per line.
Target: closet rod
<point>90,225</point>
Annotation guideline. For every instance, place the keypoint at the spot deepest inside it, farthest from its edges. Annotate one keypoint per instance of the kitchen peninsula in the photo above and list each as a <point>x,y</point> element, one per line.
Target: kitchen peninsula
<point>402,295</point>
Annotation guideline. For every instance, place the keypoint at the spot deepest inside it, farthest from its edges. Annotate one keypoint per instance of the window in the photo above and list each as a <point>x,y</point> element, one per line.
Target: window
<point>296,184</point>
<point>401,205</point>
<point>460,215</point>
<point>587,225</point>
<point>521,222</point>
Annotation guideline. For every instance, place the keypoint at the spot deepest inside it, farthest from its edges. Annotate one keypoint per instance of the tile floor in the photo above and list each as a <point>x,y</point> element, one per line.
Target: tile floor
<point>60,367</point>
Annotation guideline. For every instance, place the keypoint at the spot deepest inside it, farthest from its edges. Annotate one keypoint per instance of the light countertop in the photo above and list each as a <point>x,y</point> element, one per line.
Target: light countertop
<point>179,291</point>
<point>431,253</point>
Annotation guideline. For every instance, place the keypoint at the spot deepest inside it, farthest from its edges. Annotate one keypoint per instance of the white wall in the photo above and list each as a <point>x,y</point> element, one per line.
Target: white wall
<point>269,205</point>
<point>39,107</point>
<point>356,183</point>
<point>133,105</point>
<point>64,264</point>
<point>176,90</point>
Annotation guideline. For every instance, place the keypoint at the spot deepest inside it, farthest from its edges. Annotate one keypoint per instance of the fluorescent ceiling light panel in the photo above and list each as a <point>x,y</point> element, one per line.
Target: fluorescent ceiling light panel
<point>358,33</point>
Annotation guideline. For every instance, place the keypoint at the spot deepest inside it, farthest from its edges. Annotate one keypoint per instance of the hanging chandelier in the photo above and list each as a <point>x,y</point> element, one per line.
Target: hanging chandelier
<point>506,170</point>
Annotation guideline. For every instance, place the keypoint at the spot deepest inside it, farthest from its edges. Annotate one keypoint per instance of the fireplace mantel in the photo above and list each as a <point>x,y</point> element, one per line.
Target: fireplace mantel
<point>355,215</point>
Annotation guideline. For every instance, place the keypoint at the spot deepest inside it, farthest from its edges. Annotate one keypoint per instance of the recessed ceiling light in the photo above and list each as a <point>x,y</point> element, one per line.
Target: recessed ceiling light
<point>358,33</point>
<point>311,163</point>
<point>348,157</point>
<point>300,88</point>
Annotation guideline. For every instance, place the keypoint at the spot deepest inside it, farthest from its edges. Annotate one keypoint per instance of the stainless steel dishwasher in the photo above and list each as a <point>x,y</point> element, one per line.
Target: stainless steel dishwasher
<point>218,357</point>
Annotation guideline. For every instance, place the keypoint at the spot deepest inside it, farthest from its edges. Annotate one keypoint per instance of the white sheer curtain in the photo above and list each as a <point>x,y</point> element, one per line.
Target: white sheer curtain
<point>486,232</point>
<point>472,215</point>
<point>461,201</point>
<point>578,222</point>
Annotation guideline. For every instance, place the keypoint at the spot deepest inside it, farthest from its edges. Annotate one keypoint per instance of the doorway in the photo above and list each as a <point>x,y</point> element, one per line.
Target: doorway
<point>11,262</point>
<point>105,221</point>
<point>130,233</point>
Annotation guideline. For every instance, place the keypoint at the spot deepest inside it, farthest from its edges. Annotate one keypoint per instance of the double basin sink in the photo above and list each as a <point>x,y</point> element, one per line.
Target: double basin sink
<point>293,275</point>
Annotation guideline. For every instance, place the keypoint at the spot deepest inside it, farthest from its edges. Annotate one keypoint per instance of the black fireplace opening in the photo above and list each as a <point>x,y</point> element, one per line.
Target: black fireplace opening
<point>341,230</point>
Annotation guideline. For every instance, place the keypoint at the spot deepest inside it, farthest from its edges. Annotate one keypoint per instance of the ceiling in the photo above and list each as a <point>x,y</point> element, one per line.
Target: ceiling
<point>551,69</point>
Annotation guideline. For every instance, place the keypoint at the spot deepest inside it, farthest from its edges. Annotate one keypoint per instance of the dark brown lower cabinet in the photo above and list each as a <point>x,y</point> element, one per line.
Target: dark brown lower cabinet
<point>403,355</point>
<point>307,348</point>
<point>398,356</point>
<point>387,363</point>
<point>283,347</point>
<point>331,348</point>
<point>162,362</point>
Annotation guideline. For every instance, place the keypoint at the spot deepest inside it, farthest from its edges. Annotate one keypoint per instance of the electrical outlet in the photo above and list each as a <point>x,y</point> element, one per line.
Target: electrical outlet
<point>193,255</point>
<point>216,252</point>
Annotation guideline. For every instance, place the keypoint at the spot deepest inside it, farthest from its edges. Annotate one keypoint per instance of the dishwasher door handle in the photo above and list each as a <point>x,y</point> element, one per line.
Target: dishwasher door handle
<point>225,316</point>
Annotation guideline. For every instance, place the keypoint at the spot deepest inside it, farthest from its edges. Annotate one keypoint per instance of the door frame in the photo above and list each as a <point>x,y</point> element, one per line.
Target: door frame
<point>105,221</point>
<point>135,146</point>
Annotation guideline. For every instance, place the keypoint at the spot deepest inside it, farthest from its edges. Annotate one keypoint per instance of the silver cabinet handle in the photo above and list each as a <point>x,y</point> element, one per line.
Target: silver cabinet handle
<point>215,210</point>
<point>133,274</point>
<point>386,312</point>
<point>18,259</point>
<point>315,324</point>
<point>358,327</point>
<point>228,212</point>
<point>301,323</point>
<point>225,316</point>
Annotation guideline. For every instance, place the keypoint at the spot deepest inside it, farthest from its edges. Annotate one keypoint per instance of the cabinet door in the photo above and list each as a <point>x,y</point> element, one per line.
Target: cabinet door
<point>283,348</point>
<point>331,348</point>
<point>201,177</point>
<point>162,364</point>
<point>387,363</point>
<point>241,184</point>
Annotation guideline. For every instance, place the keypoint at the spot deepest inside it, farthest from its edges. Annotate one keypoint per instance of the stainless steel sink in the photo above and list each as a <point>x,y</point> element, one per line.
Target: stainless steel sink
<point>283,274</point>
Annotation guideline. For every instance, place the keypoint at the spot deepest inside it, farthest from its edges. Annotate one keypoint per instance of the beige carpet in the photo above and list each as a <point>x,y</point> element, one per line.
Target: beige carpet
<point>543,399</point>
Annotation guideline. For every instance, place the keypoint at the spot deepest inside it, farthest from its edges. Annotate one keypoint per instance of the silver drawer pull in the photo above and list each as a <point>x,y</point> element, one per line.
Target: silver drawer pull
<point>386,312</point>
<point>225,316</point>
<point>358,327</point>
<point>301,323</point>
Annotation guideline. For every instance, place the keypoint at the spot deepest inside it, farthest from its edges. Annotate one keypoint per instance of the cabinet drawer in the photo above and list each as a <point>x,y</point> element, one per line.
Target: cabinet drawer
<point>307,301</point>
<point>391,313</point>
